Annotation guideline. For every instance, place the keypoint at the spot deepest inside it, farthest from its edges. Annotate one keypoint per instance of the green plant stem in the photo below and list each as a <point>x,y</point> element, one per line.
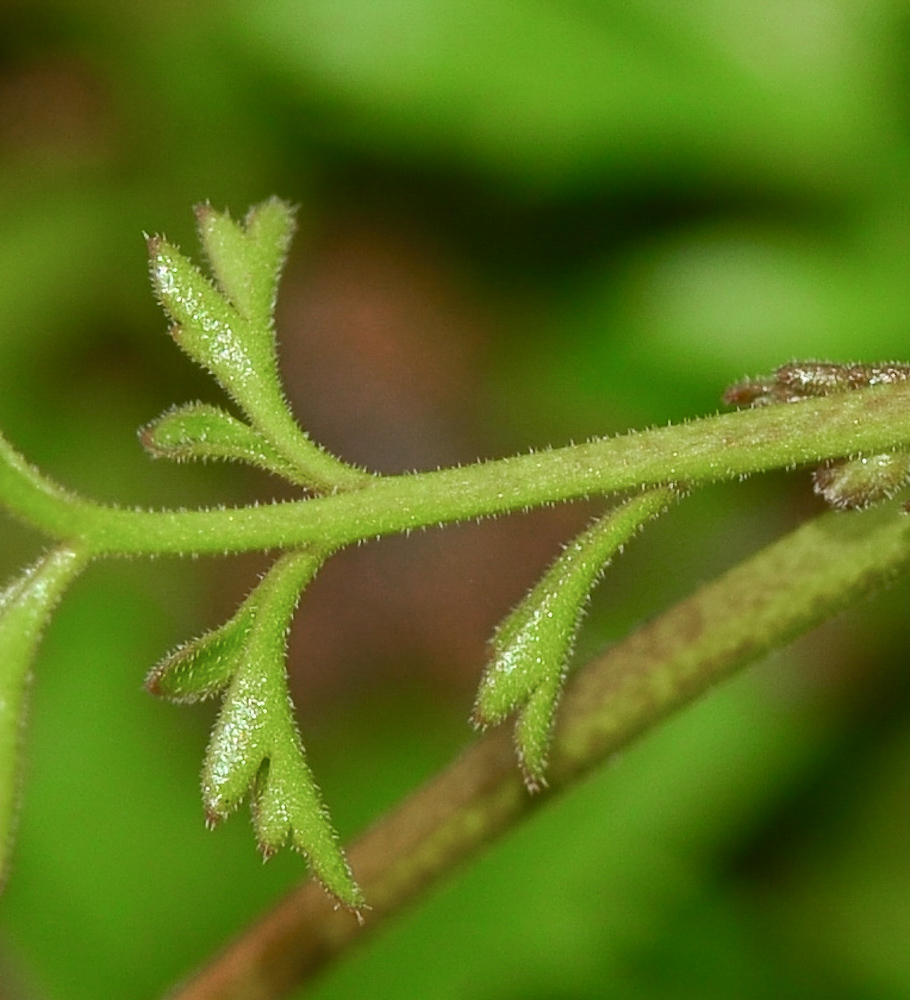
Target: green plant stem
<point>26,604</point>
<point>722,447</point>
<point>786,589</point>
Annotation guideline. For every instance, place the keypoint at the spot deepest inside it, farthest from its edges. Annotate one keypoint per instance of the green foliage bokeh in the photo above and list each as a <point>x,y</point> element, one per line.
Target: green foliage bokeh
<point>637,204</point>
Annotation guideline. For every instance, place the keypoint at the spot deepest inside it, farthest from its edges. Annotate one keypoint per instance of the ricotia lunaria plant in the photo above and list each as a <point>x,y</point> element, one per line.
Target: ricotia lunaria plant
<point>852,421</point>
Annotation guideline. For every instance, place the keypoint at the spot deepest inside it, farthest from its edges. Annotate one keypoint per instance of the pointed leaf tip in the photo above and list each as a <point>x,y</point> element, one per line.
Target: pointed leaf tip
<point>287,804</point>
<point>534,731</point>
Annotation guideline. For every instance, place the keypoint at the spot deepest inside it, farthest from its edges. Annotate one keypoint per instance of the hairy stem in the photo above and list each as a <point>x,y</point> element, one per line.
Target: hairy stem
<point>715,448</point>
<point>786,589</point>
<point>25,607</point>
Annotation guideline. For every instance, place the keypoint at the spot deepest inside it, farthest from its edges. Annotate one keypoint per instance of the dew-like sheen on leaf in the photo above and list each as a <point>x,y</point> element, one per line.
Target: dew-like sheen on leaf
<point>226,325</point>
<point>208,327</point>
<point>255,747</point>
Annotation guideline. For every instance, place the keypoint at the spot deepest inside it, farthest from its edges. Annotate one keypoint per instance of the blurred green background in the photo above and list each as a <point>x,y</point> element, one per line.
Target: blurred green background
<point>520,224</point>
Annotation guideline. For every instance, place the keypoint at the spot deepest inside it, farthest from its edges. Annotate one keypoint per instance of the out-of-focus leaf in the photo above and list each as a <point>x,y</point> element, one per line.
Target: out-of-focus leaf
<point>551,94</point>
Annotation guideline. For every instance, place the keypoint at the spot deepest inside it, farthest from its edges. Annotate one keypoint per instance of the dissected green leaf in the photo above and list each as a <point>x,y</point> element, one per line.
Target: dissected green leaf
<point>25,606</point>
<point>254,721</point>
<point>197,431</point>
<point>531,648</point>
<point>228,328</point>
<point>255,746</point>
<point>246,258</point>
